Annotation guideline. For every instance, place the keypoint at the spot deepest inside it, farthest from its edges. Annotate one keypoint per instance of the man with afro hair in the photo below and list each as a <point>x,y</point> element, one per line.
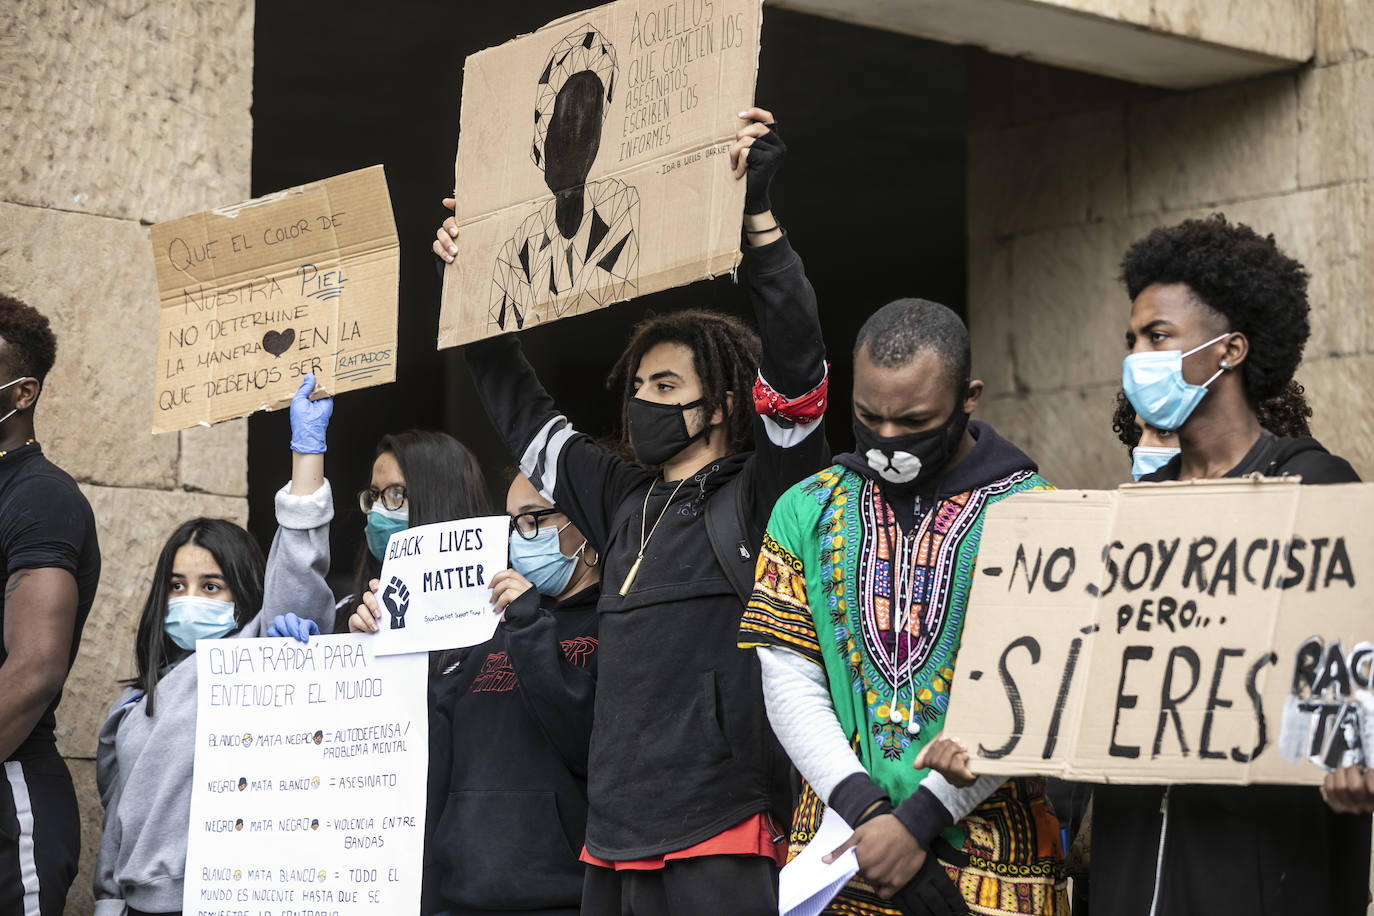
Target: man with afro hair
<point>50,564</point>
<point>1236,307</point>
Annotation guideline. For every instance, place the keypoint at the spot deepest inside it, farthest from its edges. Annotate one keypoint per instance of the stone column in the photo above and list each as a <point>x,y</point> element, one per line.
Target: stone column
<point>114,116</point>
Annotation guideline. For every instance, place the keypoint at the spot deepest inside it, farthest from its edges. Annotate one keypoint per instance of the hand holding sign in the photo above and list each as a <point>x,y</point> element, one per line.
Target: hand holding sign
<point>949,758</point>
<point>1349,790</point>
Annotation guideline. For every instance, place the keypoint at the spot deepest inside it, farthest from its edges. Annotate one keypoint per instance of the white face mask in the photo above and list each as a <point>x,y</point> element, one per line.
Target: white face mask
<point>2,388</point>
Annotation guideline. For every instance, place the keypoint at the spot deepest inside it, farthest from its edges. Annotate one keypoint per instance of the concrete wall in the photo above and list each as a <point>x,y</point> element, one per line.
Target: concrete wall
<point>114,116</point>
<point>1065,170</point>
<point>1174,43</point>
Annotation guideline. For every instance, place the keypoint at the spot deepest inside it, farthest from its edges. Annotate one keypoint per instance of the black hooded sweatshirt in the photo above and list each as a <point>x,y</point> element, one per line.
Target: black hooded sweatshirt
<point>508,764</point>
<point>681,749</point>
<point>1260,850</point>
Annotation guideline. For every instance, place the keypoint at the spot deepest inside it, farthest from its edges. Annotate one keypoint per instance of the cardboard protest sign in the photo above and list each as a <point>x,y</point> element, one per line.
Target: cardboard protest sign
<point>309,785</point>
<point>435,585</point>
<point>1207,632</point>
<point>591,162</point>
<point>258,295</point>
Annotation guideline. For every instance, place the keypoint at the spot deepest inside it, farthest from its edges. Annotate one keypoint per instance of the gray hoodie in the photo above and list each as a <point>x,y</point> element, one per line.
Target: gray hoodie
<point>144,764</point>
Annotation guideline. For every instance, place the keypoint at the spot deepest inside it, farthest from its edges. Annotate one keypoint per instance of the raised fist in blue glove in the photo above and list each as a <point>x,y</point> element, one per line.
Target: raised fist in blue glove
<point>309,419</point>
<point>293,626</point>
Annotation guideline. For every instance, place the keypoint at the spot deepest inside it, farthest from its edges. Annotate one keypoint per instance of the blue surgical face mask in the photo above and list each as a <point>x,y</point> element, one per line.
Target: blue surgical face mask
<point>382,523</point>
<point>541,560</point>
<point>190,618</point>
<point>1146,459</point>
<point>1153,382</point>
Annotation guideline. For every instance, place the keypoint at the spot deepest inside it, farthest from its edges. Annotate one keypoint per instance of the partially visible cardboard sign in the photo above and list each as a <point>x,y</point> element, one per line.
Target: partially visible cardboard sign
<point>258,295</point>
<point>592,162</point>
<point>1209,632</point>
<point>436,585</point>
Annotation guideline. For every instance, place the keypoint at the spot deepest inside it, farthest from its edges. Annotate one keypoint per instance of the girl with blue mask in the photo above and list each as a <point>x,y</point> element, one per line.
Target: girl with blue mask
<point>208,584</point>
<point>418,477</point>
<point>545,548</point>
<point>512,713</point>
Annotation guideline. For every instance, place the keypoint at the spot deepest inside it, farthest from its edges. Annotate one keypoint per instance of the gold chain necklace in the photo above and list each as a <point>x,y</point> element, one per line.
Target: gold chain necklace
<point>644,538</point>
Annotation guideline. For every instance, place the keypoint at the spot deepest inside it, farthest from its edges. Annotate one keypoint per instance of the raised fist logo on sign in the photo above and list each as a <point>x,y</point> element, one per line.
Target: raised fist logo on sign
<point>396,597</point>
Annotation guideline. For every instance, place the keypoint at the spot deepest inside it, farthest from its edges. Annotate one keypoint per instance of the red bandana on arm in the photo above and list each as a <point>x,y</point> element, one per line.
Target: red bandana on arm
<point>805,409</point>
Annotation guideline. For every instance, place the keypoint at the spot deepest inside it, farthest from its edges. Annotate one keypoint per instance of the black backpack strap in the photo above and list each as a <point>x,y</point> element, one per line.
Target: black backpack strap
<point>730,527</point>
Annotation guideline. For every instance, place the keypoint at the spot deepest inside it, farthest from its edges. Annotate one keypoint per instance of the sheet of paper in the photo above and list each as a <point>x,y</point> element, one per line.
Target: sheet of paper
<point>806,884</point>
<point>309,781</point>
<point>436,582</point>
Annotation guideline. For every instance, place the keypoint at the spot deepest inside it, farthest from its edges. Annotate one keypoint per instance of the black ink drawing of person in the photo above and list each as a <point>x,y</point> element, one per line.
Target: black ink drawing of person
<point>580,250</point>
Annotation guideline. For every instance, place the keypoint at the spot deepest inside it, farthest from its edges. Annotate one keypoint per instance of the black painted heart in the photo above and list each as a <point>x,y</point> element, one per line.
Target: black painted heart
<point>278,342</point>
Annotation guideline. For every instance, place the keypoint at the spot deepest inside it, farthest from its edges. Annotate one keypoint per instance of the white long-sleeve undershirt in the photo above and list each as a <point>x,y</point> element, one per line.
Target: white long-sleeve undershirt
<point>797,697</point>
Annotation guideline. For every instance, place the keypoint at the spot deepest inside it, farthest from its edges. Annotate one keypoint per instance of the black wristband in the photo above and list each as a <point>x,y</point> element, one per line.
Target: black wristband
<point>762,231</point>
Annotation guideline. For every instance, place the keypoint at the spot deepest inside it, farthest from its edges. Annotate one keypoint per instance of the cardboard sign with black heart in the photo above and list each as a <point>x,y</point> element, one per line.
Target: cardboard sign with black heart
<point>258,295</point>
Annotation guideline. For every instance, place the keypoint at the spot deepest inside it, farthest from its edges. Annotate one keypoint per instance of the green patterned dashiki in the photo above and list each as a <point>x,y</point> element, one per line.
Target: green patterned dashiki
<point>834,578</point>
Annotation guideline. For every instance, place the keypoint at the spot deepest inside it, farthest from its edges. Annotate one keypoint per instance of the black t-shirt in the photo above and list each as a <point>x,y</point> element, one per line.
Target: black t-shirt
<point>45,522</point>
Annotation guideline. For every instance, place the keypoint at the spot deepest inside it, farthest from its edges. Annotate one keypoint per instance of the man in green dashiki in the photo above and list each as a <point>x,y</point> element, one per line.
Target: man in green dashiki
<point>856,616</point>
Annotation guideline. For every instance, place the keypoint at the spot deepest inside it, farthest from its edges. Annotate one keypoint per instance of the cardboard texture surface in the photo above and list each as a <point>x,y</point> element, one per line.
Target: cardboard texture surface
<point>1206,632</point>
<point>258,295</point>
<point>592,162</point>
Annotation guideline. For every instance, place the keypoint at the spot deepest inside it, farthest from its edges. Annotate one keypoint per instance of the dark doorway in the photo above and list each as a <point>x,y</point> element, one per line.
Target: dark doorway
<point>872,195</point>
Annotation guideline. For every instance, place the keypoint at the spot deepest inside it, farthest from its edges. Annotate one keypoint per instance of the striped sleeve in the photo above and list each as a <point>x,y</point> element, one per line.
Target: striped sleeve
<point>778,613</point>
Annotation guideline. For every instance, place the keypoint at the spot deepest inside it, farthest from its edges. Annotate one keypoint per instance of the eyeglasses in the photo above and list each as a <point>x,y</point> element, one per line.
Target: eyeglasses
<point>527,523</point>
<point>393,497</point>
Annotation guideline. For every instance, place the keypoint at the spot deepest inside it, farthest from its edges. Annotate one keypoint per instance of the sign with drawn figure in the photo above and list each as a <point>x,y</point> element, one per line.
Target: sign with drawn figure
<point>436,585</point>
<point>1210,632</point>
<point>258,295</point>
<point>591,162</point>
<point>309,785</point>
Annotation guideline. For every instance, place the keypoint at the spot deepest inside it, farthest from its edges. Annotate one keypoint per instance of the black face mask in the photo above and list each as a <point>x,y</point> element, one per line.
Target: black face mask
<point>659,431</point>
<point>914,459</point>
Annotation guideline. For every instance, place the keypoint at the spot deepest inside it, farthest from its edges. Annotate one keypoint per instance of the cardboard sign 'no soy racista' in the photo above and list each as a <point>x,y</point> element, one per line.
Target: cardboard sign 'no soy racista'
<point>592,162</point>
<point>1207,632</point>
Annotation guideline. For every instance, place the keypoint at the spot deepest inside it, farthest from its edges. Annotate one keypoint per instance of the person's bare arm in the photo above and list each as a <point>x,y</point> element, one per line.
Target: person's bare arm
<point>40,613</point>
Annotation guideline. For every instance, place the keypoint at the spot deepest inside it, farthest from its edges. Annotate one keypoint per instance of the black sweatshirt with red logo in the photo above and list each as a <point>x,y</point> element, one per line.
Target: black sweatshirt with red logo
<point>509,731</point>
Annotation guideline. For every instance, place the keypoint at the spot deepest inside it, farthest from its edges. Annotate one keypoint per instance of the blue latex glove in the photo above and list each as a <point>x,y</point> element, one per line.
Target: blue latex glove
<point>309,419</point>
<point>293,626</point>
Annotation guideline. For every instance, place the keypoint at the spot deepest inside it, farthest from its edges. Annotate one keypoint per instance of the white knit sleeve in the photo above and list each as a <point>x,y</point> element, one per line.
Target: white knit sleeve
<point>802,714</point>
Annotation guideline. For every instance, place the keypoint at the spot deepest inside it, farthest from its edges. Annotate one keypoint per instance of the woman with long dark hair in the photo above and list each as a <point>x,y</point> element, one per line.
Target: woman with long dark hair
<point>208,584</point>
<point>418,477</point>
